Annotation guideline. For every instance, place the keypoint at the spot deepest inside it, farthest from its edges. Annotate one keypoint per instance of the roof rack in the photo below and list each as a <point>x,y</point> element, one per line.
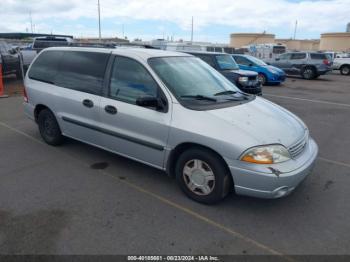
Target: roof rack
<point>110,45</point>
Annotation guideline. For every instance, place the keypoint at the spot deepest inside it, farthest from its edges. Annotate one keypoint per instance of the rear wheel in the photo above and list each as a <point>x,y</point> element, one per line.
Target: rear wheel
<point>308,73</point>
<point>49,128</point>
<point>262,79</point>
<point>345,70</point>
<point>203,176</point>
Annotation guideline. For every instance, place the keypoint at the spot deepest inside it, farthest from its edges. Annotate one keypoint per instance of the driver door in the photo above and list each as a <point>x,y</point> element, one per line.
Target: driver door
<point>137,132</point>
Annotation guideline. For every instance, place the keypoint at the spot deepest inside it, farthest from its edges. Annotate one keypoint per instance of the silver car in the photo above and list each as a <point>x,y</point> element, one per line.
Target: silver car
<point>171,111</point>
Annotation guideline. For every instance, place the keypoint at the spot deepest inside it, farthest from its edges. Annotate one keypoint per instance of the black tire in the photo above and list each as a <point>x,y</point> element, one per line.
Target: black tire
<point>308,73</point>
<point>222,182</point>
<point>345,70</point>
<point>262,79</point>
<point>49,128</point>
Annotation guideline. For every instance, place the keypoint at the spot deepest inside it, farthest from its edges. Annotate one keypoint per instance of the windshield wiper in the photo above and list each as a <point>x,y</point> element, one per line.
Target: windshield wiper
<point>199,97</point>
<point>227,92</point>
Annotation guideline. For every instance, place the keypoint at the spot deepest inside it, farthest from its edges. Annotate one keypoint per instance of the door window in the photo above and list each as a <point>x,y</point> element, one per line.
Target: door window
<point>296,56</point>
<point>82,71</point>
<point>208,59</point>
<point>284,57</point>
<point>131,80</point>
<point>242,60</point>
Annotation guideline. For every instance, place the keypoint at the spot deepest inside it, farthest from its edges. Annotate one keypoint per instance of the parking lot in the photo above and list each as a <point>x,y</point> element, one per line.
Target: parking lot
<point>77,199</point>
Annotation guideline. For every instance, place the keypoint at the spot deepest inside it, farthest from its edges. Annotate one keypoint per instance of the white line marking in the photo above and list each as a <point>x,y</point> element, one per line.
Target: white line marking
<point>171,203</point>
<point>310,100</point>
<point>334,162</point>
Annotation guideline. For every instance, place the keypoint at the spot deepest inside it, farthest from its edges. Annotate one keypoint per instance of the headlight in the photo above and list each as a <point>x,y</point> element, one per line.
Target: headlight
<point>271,154</point>
<point>243,79</point>
<point>273,71</point>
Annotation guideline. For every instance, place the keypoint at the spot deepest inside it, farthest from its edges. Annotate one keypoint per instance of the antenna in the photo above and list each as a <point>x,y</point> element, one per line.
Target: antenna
<point>192,31</point>
<point>295,29</point>
<point>99,20</point>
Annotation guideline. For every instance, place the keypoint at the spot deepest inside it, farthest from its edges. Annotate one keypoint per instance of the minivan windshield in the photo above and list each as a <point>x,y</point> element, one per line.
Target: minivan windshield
<point>189,78</point>
<point>226,62</point>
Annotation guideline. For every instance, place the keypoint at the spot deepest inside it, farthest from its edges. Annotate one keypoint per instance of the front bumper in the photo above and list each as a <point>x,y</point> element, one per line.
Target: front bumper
<point>276,79</point>
<point>267,183</point>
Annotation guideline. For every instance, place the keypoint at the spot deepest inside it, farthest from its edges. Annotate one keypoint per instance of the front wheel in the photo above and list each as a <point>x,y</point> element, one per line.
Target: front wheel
<point>203,176</point>
<point>345,70</point>
<point>49,128</point>
<point>262,79</point>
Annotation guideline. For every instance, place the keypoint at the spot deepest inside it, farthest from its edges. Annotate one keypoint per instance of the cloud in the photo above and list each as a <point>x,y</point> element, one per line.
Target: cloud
<point>313,16</point>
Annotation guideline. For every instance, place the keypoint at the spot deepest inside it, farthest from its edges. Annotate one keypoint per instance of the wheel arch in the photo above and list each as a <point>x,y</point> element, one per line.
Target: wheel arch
<point>38,109</point>
<point>179,149</point>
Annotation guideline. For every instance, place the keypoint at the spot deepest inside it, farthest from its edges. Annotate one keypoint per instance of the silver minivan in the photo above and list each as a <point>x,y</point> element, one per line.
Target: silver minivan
<point>171,111</point>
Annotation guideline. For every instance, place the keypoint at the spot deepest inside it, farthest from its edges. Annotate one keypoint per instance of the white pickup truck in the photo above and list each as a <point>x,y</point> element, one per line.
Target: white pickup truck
<point>342,64</point>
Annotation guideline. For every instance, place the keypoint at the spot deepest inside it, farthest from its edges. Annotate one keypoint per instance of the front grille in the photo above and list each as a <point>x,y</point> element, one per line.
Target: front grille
<point>299,146</point>
<point>252,78</point>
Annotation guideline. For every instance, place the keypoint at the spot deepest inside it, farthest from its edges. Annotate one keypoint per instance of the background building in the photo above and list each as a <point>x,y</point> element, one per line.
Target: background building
<point>239,40</point>
<point>297,44</point>
<point>335,42</point>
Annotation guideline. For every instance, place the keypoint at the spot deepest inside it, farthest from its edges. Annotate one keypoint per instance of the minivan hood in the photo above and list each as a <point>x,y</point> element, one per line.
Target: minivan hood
<point>264,121</point>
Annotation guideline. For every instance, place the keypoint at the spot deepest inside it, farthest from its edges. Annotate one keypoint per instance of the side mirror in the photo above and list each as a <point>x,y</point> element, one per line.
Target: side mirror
<point>277,59</point>
<point>149,101</point>
<point>251,65</point>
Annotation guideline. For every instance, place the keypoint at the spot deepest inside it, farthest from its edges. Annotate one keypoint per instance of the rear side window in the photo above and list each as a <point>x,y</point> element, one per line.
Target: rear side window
<point>208,59</point>
<point>319,56</point>
<point>82,71</point>
<point>298,56</point>
<point>45,67</point>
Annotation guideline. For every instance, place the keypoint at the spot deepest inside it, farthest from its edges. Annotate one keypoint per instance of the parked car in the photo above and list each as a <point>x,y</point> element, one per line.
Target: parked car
<point>10,60</point>
<point>343,65</point>
<point>43,42</point>
<point>171,111</point>
<point>267,74</point>
<point>245,80</point>
<point>309,65</point>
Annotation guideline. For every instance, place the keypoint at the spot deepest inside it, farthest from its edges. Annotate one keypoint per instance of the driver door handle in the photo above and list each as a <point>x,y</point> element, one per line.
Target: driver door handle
<point>111,109</point>
<point>88,103</point>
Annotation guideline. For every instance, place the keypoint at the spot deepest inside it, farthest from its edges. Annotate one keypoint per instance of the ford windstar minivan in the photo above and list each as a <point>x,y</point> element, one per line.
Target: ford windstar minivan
<point>171,111</point>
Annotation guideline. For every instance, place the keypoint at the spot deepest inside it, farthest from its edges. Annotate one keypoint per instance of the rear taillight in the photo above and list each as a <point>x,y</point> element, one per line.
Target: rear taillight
<point>25,96</point>
<point>326,62</point>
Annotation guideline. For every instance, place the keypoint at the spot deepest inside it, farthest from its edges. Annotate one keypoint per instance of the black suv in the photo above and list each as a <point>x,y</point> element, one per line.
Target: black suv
<point>245,80</point>
<point>10,60</point>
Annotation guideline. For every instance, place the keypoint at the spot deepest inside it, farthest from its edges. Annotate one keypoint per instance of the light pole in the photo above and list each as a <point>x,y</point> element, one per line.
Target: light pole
<point>99,20</point>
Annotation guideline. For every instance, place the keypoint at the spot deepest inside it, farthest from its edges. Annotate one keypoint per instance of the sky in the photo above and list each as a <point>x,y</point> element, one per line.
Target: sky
<point>214,21</point>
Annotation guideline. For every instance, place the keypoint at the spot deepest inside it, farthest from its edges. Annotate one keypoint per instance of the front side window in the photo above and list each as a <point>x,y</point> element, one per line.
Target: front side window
<point>131,80</point>
<point>208,59</point>
<point>226,62</point>
<point>298,56</point>
<point>284,57</point>
<point>82,71</point>
<point>242,60</point>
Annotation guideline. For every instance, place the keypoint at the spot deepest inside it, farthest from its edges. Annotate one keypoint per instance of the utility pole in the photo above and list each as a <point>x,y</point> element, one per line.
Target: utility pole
<point>192,31</point>
<point>99,20</point>
<point>295,29</point>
